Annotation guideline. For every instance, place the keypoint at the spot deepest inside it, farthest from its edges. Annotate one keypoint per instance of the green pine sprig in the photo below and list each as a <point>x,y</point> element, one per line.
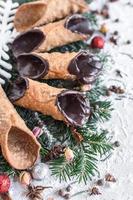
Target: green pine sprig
<point>84,164</point>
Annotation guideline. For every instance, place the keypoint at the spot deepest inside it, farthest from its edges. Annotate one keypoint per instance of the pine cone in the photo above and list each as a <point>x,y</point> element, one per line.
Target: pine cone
<point>54,153</point>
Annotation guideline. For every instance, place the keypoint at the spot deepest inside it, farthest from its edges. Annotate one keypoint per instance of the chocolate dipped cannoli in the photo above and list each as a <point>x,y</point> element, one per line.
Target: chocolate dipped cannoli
<point>71,29</point>
<point>18,144</point>
<point>65,105</point>
<point>38,13</point>
<point>83,66</point>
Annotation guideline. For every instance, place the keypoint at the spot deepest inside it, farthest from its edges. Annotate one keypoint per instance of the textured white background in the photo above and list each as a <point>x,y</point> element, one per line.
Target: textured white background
<point>121,125</point>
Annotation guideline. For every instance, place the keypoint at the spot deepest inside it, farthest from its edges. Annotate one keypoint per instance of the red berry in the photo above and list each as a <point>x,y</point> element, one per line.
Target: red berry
<point>97,42</point>
<point>4,183</point>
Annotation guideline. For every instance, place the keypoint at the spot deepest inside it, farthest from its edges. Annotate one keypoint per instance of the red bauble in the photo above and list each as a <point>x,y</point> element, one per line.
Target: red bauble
<point>97,42</point>
<point>4,183</point>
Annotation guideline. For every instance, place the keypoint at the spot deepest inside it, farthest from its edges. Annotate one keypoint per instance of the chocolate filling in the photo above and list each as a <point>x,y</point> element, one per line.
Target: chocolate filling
<point>27,42</point>
<point>32,66</point>
<point>79,24</point>
<point>86,67</point>
<point>74,106</point>
<point>17,90</point>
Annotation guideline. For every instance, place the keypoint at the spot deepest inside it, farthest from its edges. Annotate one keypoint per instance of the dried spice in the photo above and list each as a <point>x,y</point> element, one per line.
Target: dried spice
<point>114,39</point>
<point>115,33</point>
<point>95,191</point>
<point>116,90</point>
<point>118,73</point>
<point>55,153</point>
<point>128,42</point>
<point>61,192</point>
<point>110,178</point>
<point>116,20</point>
<point>100,182</point>
<point>35,192</point>
<point>116,144</point>
<point>105,11</point>
<point>68,188</point>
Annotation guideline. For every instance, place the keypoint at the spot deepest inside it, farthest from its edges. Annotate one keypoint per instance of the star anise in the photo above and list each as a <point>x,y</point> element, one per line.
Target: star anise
<point>95,191</point>
<point>35,192</point>
<point>116,89</point>
<point>55,152</point>
<point>110,178</point>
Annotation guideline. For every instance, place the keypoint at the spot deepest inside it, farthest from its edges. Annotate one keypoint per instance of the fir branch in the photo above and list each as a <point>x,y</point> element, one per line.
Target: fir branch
<point>23,1</point>
<point>101,111</point>
<point>43,152</point>
<point>61,168</point>
<point>98,91</point>
<point>85,164</point>
<point>99,143</point>
<point>73,47</point>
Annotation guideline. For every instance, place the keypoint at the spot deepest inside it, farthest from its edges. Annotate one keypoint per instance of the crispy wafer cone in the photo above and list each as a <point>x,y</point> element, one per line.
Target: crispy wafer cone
<point>82,66</point>
<point>61,104</point>
<point>34,14</point>
<point>71,29</point>
<point>19,146</point>
<point>58,35</point>
<point>45,65</point>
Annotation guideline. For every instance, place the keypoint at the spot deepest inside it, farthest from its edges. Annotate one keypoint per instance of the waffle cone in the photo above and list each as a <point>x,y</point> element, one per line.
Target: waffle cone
<point>58,65</point>
<point>19,146</point>
<point>57,35</point>
<point>42,39</point>
<point>42,98</point>
<point>45,11</point>
<point>65,105</point>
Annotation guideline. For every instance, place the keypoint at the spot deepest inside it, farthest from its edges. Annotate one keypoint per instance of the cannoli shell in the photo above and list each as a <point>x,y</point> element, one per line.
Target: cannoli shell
<point>34,14</point>
<point>57,35</point>
<point>42,39</point>
<point>82,66</point>
<point>18,144</point>
<point>42,98</point>
<point>58,65</point>
<point>65,105</point>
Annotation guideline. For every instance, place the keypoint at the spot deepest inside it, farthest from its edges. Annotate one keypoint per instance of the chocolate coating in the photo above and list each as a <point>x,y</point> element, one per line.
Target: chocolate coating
<point>27,42</point>
<point>86,67</point>
<point>74,106</point>
<point>17,90</point>
<point>32,66</point>
<point>79,24</point>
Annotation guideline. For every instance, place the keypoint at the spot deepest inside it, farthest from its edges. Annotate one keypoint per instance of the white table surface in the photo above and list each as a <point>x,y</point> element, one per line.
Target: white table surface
<point>121,125</point>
